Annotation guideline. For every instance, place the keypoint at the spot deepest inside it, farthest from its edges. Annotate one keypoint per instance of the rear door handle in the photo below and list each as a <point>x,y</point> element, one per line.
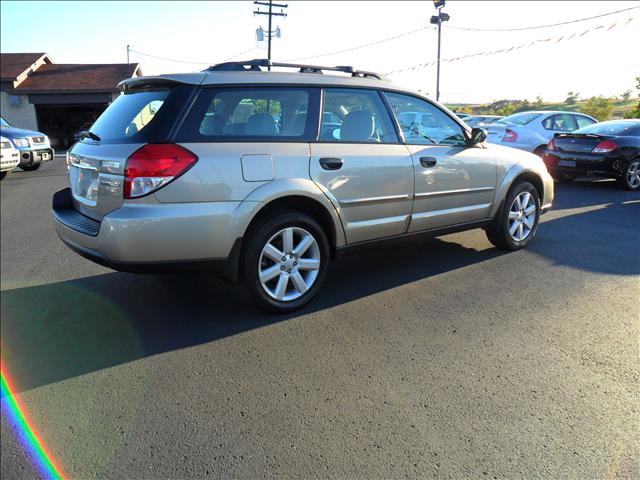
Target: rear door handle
<point>428,162</point>
<point>331,163</point>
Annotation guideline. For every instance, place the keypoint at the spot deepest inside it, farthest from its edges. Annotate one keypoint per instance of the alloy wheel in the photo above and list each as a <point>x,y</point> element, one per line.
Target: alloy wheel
<point>633,174</point>
<point>522,216</point>
<point>289,264</point>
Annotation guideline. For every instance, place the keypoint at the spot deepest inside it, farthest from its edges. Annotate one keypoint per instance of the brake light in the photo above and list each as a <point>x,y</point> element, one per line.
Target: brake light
<point>153,166</point>
<point>605,147</point>
<point>552,145</point>
<point>510,136</point>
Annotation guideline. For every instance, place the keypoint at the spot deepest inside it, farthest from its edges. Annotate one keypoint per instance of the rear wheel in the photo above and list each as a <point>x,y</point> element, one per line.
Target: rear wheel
<point>516,225</point>
<point>285,261</point>
<point>564,177</point>
<point>540,151</point>
<point>631,177</point>
<point>30,168</point>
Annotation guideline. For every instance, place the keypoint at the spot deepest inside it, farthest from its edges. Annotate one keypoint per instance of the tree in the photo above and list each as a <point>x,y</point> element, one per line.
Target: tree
<point>626,96</point>
<point>572,98</point>
<point>599,108</point>
<point>635,112</point>
<point>539,103</point>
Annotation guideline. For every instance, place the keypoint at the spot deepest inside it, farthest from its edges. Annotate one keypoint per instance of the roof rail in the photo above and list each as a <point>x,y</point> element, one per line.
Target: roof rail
<point>254,66</point>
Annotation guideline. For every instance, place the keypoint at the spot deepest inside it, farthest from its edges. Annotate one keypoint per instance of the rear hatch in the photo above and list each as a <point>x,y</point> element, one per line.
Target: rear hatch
<point>577,143</point>
<point>146,112</point>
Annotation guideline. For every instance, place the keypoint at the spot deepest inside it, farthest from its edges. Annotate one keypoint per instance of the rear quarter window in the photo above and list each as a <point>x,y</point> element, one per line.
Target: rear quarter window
<point>142,115</point>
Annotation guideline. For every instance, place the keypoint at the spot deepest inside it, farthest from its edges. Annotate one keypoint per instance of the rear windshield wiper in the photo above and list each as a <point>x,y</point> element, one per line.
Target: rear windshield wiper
<point>88,134</point>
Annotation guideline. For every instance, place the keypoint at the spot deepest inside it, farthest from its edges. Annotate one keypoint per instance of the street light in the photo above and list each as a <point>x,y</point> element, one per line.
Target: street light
<point>437,20</point>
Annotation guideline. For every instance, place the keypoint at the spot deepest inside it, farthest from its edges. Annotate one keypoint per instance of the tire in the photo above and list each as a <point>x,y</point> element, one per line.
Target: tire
<point>271,231</point>
<point>540,151</point>
<point>630,179</point>
<point>564,177</point>
<point>500,235</point>
<point>30,168</point>
<point>3,175</point>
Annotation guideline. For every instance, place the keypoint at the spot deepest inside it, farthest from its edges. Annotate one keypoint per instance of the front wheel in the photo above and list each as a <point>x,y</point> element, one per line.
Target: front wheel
<point>31,168</point>
<point>517,223</point>
<point>630,179</point>
<point>285,261</point>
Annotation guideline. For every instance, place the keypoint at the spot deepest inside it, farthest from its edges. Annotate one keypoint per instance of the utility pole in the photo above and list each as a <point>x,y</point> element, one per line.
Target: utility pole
<point>127,54</point>
<point>437,20</point>
<point>270,33</point>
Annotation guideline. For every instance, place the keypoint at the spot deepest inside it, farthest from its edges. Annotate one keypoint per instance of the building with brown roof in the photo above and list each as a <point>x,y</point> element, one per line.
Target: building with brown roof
<point>57,99</point>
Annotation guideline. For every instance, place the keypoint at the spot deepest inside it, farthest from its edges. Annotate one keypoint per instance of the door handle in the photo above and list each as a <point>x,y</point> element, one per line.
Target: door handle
<point>428,162</point>
<point>331,163</point>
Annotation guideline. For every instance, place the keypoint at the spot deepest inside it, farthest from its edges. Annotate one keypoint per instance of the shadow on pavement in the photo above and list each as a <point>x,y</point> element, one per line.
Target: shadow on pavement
<point>62,330</point>
<point>600,191</point>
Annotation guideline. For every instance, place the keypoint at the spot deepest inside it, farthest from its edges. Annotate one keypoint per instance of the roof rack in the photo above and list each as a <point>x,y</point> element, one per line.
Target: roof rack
<point>254,66</point>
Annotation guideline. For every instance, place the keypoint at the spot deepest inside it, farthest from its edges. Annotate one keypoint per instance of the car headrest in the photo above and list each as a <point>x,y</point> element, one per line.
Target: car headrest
<point>357,126</point>
<point>261,124</point>
<point>212,125</point>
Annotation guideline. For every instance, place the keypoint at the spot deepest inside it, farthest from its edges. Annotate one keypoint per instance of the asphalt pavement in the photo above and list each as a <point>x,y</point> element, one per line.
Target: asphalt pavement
<point>429,358</point>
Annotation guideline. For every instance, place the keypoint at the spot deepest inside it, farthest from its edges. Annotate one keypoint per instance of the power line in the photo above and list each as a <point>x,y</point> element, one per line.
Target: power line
<point>186,61</point>
<point>548,41</point>
<point>377,42</point>
<point>470,29</point>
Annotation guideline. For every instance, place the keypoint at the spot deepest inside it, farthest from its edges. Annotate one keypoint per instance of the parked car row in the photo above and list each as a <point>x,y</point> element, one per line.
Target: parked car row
<point>33,147</point>
<point>571,144</point>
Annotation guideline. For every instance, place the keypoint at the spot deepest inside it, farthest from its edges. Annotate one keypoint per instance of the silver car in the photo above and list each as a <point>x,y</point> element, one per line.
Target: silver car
<point>532,131</point>
<point>192,171</point>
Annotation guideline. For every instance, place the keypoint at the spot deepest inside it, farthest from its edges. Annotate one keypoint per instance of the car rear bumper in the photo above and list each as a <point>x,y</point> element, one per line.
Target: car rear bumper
<point>29,157</point>
<point>155,238</point>
<point>583,164</point>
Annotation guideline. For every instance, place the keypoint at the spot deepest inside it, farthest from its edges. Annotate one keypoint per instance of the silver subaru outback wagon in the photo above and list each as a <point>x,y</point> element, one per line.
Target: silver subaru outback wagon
<point>264,176</point>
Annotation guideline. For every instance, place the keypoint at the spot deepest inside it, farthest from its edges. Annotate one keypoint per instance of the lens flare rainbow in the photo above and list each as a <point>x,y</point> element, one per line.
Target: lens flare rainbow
<point>25,430</point>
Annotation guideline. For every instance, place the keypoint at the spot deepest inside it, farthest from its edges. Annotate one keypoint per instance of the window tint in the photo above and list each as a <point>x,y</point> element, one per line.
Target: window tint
<point>129,115</point>
<point>423,123</point>
<point>267,113</point>
<point>562,122</point>
<point>612,128</point>
<point>583,121</point>
<point>357,116</point>
<point>520,118</point>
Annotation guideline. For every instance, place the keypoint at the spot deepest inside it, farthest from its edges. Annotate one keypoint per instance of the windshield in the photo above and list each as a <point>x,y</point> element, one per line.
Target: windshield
<point>4,123</point>
<point>610,128</point>
<point>520,118</point>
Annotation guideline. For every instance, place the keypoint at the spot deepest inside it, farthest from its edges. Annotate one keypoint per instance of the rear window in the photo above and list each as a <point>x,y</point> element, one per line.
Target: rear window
<point>612,128</point>
<point>251,113</point>
<point>142,115</point>
<point>520,118</point>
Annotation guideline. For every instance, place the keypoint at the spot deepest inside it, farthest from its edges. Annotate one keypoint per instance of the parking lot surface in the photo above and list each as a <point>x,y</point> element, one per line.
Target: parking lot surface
<point>425,358</point>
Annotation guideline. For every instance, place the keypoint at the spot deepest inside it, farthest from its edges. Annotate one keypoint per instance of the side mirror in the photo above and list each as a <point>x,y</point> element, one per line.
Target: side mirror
<point>478,135</point>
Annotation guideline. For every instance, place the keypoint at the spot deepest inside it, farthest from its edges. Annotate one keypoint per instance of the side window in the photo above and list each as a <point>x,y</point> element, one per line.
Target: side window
<point>583,121</point>
<point>355,116</point>
<point>563,122</point>
<point>268,113</point>
<point>423,123</point>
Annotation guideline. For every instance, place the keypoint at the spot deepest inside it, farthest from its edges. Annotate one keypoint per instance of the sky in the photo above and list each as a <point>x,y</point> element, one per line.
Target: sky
<point>601,62</point>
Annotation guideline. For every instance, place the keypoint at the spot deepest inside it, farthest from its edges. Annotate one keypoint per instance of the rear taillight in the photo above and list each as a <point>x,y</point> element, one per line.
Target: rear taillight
<point>605,147</point>
<point>153,166</point>
<point>552,145</point>
<point>510,136</point>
